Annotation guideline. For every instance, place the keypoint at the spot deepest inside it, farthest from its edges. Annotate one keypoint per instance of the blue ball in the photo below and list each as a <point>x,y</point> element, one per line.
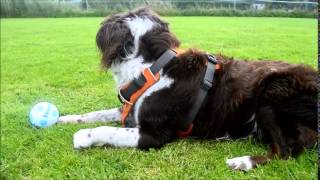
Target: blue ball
<point>43,114</point>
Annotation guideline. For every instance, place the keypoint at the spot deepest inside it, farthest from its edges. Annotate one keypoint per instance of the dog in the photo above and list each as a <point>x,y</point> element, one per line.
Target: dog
<point>273,101</point>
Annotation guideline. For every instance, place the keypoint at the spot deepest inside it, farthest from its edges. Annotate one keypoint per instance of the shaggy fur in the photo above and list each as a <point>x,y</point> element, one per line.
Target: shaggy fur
<point>283,97</point>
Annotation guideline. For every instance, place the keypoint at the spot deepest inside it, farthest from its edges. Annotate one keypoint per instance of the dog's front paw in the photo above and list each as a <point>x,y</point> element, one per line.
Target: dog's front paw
<point>82,139</point>
<point>70,119</point>
<point>243,163</point>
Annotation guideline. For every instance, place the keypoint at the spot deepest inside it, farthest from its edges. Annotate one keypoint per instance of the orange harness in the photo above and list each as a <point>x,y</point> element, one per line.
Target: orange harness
<point>150,78</point>
<point>134,89</point>
<point>127,106</point>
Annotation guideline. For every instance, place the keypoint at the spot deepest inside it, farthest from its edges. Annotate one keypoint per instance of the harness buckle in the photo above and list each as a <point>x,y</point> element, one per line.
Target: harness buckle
<point>186,133</point>
<point>122,99</point>
<point>212,59</point>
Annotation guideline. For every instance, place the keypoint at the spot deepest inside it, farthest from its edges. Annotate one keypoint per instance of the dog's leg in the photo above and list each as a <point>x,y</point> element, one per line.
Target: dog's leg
<point>294,127</point>
<point>246,163</point>
<point>147,135</point>
<point>270,130</point>
<point>106,135</point>
<point>96,116</point>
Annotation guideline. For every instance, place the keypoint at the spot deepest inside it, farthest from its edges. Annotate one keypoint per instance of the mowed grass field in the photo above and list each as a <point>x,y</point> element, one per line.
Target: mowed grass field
<point>56,60</point>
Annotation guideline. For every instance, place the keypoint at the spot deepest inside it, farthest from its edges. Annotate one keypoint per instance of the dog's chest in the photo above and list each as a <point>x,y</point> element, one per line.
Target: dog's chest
<point>133,118</point>
<point>125,72</point>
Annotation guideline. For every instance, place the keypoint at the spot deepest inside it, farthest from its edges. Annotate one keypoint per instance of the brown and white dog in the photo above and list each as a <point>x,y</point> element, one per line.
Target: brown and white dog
<point>280,98</point>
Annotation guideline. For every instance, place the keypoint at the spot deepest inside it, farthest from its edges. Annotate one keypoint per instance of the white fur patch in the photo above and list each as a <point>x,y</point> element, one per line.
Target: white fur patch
<point>106,135</point>
<point>96,116</point>
<point>138,27</point>
<point>132,65</point>
<point>240,163</point>
<point>127,70</point>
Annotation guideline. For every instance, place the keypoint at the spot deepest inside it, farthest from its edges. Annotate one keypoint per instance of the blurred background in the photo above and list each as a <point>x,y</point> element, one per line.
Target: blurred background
<point>71,8</point>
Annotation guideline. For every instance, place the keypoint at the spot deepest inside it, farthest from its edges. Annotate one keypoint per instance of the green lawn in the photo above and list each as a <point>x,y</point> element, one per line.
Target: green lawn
<point>56,60</point>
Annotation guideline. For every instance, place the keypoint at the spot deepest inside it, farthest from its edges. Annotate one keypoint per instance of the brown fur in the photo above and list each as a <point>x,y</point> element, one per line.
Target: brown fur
<point>282,96</point>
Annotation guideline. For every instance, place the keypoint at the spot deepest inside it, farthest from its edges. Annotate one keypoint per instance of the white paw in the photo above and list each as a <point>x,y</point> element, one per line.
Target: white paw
<point>82,139</point>
<point>70,119</point>
<point>240,163</point>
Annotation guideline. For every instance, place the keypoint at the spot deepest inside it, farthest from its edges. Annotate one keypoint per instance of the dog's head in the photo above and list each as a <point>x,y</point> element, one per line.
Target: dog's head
<point>141,33</point>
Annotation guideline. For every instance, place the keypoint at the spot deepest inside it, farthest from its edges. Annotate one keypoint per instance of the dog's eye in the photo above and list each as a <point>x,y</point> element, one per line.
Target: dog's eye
<point>127,48</point>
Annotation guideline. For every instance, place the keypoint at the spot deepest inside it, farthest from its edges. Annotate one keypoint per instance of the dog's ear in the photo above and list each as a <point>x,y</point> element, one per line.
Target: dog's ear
<point>113,39</point>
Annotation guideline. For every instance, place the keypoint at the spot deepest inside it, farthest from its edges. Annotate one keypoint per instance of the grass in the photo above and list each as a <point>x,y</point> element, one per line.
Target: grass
<point>56,60</point>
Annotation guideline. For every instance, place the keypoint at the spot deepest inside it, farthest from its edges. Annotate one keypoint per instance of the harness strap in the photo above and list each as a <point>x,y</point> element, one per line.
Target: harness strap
<point>130,93</point>
<point>248,128</point>
<point>207,83</point>
<point>128,90</point>
<point>127,106</point>
<point>163,60</point>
